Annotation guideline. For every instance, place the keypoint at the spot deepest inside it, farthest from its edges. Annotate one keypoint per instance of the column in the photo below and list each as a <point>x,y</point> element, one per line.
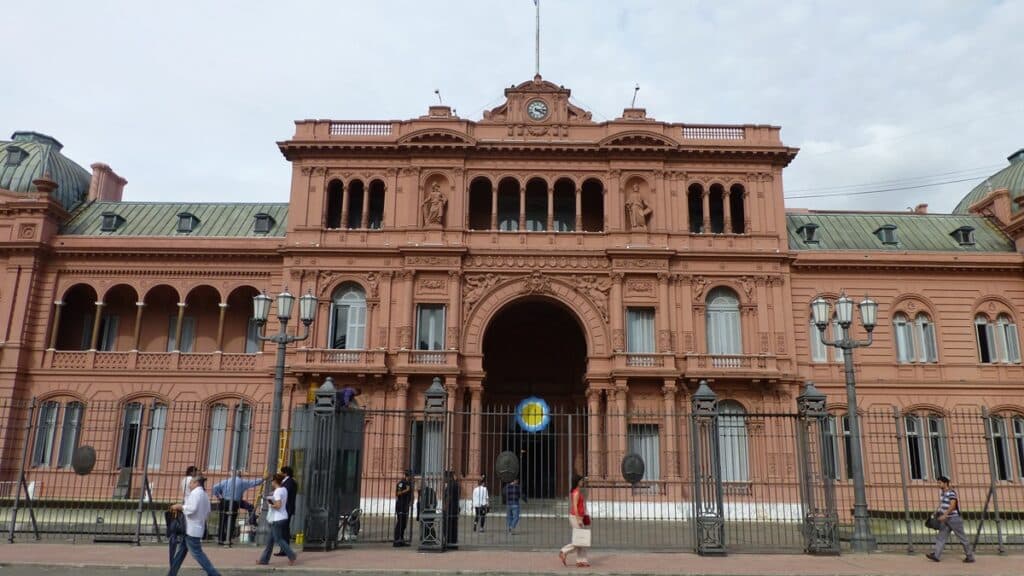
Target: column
<point>706,199</point>
<point>668,392</point>
<point>454,314</point>
<point>475,388</point>
<point>401,387</point>
<point>494,207</point>
<point>609,427</point>
<point>579,210</point>
<point>96,325</point>
<point>726,213</point>
<point>364,219</point>
<point>220,326</point>
<point>177,326</point>
<point>406,336</point>
<point>138,325</point>
<point>664,311</point>
<point>621,389</point>
<point>522,208</point>
<point>595,464</point>
<point>344,205</point>
<point>684,211</point>
<point>55,329</point>
<point>616,313</point>
<point>551,209</point>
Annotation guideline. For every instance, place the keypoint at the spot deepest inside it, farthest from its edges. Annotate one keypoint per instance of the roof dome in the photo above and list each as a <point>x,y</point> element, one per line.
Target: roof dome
<point>30,155</point>
<point>1011,178</point>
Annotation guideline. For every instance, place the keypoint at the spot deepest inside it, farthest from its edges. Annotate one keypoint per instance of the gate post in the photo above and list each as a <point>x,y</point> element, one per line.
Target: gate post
<point>709,522</point>
<point>321,517</point>
<point>820,516</point>
<point>432,529</point>
<point>987,419</point>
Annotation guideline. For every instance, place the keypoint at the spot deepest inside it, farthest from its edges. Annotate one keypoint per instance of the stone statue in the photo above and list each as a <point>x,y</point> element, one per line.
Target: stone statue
<point>637,209</point>
<point>433,205</point>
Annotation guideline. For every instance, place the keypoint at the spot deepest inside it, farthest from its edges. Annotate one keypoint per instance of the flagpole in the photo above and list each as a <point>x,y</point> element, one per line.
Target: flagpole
<point>536,3</point>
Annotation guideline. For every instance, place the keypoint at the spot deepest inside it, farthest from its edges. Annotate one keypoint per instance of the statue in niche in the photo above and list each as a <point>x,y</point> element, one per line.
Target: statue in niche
<point>433,205</point>
<point>637,209</point>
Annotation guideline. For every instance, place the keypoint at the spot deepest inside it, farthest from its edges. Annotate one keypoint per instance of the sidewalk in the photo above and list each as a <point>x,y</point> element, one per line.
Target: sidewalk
<point>387,560</point>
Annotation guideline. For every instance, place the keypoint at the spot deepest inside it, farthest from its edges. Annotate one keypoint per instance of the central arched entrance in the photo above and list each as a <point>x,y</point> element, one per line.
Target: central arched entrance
<point>535,348</point>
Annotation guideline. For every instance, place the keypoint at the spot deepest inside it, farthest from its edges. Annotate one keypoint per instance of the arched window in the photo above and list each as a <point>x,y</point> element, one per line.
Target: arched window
<point>723,323</point>
<point>480,199</point>
<point>838,456</point>
<point>695,208</point>
<point>592,205</point>
<point>133,434</point>
<point>335,194</point>
<point>732,439</point>
<point>986,336</point>
<point>716,208</point>
<point>819,351</point>
<point>904,338</point>
<point>925,338</point>
<point>1000,448</point>
<point>927,450</point>
<point>348,318</point>
<point>228,438</point>
<point>737,211</point>
<point>1006,336</point>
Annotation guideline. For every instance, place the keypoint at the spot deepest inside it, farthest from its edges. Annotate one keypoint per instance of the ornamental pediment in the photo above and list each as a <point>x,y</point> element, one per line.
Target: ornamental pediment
<point>635,138</point>
<point>440,136</point>
<point>537,102</point>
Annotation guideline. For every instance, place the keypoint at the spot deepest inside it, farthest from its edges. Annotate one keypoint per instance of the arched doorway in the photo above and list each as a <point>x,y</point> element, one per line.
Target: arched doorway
<point>535,348</point>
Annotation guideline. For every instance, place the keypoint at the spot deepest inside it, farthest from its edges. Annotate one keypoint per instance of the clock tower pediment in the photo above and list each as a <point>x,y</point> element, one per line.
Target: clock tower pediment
<point>537,102</point>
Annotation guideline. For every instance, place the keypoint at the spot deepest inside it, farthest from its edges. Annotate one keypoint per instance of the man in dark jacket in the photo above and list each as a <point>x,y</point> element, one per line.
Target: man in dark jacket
<point>292,487</point>
<point>451,510</point>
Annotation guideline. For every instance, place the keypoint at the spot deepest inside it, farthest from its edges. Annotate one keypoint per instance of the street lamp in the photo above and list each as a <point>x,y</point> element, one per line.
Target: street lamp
<point>260,312</point>
<point>863,540</point>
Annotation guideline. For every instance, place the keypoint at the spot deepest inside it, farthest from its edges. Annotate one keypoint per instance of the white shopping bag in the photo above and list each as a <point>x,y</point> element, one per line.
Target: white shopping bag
<point>581,537</point>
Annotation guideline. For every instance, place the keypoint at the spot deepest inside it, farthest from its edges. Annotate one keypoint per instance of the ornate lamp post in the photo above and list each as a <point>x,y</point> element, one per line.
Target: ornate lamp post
<point>260,312</point>
<point>862,540</point>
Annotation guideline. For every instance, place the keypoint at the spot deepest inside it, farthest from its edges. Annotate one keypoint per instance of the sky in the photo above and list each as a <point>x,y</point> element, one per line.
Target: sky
<point>187,99</point>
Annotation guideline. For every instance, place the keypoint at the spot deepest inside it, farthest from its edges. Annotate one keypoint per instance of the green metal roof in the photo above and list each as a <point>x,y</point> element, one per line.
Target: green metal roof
<point>41,156</point>
<point>921,232</point>
<point>223,220</point>
<point>1011,178</point>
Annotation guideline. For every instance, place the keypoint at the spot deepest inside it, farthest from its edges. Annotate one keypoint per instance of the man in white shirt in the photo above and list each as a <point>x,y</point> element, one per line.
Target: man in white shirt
<point>481,505</point>
<point>196,509</point>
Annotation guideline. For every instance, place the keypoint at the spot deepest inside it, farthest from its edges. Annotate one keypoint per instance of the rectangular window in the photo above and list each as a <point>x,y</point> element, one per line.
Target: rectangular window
<point>252,341</point>
<point>108,333</point>
<point>1000,450</point>
<point>188,333</point>
<point>416,448</point>
<point>926,342</point>
<point>847,448</point>
<point>348,326</point>
<point>644,441</point>
<point>1018,442</point>
<point>156,437</point>
<point>986,343</point>
<point>43,448</point>
<point>130,430</point>
<point>937,446</point>
<point>915,448</point>
<point>1012,343</point>
<point>818,348</point>
<point>87,322</point>
<point>71,430</point>
<point>243,434</point>
<point>904,341</point>
<point>218,434</point>
<point>430,327</point>
<point>640,330</point>
<point>830,443</point>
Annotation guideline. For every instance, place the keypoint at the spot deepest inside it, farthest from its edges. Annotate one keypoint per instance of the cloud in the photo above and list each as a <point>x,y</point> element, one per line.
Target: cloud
<point>187,99</point>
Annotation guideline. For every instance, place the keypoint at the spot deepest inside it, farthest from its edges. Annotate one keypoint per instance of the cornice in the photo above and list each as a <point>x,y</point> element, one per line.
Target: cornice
<point>148,272</point>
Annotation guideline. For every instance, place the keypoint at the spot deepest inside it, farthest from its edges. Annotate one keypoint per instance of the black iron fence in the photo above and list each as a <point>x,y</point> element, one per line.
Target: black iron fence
<point>713,479</point>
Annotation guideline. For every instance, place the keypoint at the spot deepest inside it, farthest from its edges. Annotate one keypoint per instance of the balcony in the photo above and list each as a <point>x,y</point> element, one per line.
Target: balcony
<point>427,361</point>
<point>151,361</point>
<point>749,365</point>
<point>653,364</point>
<point>340,361</point>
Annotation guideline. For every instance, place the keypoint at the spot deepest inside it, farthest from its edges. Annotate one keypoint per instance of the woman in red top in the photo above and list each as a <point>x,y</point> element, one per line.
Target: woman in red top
<point>577,513</point>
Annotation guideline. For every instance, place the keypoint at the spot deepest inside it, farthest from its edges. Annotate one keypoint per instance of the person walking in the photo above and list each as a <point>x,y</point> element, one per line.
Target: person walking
<point>231,493</point>
<point>277,517</point>
<point>292,488</point>
<point>580,521</point>
<point>196,509</point>
<point>481,504</point>
<point>513,494</point>
<point>403,503</point>
<point>948,515</point>
<point>451,499</point>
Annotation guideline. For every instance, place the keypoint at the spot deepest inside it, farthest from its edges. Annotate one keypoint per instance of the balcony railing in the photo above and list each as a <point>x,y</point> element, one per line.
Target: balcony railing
<point>341,360</point>
<point>730,362</point>
<point>427,360</point>
<point>647,362</point>
<point>155,361</point>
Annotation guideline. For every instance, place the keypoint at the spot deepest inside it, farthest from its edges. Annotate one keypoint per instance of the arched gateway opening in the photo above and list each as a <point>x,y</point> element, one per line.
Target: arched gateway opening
<point>535,356</point>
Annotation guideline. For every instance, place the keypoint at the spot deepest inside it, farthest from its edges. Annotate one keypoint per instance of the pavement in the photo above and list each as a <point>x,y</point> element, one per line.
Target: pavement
<point>124,560</point>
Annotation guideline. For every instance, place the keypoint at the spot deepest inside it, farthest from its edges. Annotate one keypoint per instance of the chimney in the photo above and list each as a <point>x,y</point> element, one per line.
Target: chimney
<point>105,186</point>
<point>46,184</point>
<point>921,209</point>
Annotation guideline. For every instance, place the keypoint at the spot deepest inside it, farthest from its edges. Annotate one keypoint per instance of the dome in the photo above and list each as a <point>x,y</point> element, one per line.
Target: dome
<point>1011,178</point>
<point>30,155</point>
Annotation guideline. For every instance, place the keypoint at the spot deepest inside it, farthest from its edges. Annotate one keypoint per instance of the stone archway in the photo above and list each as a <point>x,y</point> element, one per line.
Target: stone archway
<point>585,296</point>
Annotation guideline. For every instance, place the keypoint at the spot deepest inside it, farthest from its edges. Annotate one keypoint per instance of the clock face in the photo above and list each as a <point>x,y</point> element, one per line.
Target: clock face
<point>537,109</point>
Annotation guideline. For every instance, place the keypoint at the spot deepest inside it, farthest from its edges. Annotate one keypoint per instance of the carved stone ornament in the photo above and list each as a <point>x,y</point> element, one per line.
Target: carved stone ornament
<point>432,285</point>
<point>699,284</point>
<point>640,286</point>
<point>664,341</point>
<point>475,286</point>
<point>597,290</point>
<point>618,340</point>
<point>536,283</point>
<point>405,336</point>
<point>637,210</point>
<point>373,282</point>
<point>433,206</point>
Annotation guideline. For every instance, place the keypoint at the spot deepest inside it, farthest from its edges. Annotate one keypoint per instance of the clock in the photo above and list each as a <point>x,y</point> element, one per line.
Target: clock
<point>537,109</point>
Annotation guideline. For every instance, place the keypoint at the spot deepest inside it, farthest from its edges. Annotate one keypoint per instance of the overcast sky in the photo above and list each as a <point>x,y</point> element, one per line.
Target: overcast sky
<point>186,99</point>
